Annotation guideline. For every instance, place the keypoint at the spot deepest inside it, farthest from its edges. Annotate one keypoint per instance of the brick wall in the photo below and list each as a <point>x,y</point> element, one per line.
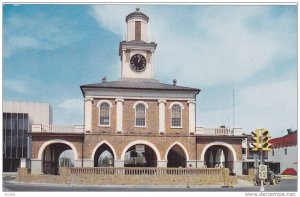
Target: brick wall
<point>100,179</point>
<point>39,140</point>
<point>235,143</point>
<point>95,117</point>
<point>119,142</point>
<point>152,115</point>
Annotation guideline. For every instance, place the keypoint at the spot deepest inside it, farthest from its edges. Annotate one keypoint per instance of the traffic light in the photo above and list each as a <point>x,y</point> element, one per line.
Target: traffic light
<point>255,140</point>
<point>265,140</point>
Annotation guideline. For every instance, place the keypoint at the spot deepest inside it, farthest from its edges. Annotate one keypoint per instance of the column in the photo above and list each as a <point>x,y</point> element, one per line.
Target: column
<point>162,164</point>
<point>238,167</point>
<point>36,166</point>
<point>119,164</point>
<point>119,102</point>
<point>162,122</point>
<point>88,114</point>
<point>192,117</point>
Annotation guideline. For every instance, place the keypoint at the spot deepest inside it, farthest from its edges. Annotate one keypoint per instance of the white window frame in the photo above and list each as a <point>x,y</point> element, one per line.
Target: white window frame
<point>109,111</point>
<point>170,107</point>
<point>146,107</point>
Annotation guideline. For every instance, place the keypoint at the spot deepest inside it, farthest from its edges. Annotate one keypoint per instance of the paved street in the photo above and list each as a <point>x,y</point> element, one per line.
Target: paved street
<point>286,185</point>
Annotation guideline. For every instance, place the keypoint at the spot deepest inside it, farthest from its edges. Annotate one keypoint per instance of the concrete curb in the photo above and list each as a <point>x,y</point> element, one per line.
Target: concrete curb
<point>288,177</point>
<point>130,186</point>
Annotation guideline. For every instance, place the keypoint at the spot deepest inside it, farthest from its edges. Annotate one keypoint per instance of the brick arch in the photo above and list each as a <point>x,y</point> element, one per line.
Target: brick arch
<point>141,142</point>
<point>181,146</point>
<point>101,143</point>
<point>221,144</point>
<point>47,143</point>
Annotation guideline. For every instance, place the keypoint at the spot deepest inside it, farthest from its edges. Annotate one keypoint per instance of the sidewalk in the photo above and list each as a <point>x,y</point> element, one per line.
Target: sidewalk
<point>288,177</point>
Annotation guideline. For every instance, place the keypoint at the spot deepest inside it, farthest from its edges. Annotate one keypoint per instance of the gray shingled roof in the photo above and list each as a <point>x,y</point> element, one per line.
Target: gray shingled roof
<point>138,85</point>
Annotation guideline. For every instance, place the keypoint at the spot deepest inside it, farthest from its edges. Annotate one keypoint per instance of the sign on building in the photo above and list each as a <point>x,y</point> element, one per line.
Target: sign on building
<point>140,148</point>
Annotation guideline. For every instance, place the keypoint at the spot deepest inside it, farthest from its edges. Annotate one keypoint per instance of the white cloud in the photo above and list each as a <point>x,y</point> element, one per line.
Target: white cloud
<point>22,84</point>
<point>111,19</point>
<point>18,86</point>
<point>71,105</point>
<point>271,105</point>
<point>39,32</point>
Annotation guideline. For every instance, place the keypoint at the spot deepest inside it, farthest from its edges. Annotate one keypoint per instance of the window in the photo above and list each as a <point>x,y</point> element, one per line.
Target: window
<point>285,151</point>
<point>176,116</point>
<point>140,115</point>
<point>104,114</point>
<point>272,152</point>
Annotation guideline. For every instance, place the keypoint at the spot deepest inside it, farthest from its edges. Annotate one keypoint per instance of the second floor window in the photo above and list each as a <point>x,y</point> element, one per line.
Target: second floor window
<point>104,114</point>
<point>140,115</point>
<point>176,116</point>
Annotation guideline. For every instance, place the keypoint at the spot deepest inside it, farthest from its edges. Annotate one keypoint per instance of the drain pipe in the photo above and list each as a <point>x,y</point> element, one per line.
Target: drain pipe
<point>82,150</point>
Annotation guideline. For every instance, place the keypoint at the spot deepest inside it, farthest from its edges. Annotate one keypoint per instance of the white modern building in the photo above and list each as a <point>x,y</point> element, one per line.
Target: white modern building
<point>18,118</point>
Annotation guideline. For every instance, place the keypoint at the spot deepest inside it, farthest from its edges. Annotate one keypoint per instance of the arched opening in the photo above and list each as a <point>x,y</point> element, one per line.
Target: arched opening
<point>219,156</point>
<point>140,155</point>
<point>66,159</point>
<point>176,157</point>
<point>104,156</point>
<point>52,156</point>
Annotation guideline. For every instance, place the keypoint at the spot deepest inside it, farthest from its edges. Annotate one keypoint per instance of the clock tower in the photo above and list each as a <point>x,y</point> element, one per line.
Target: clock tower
<point>136,53</point>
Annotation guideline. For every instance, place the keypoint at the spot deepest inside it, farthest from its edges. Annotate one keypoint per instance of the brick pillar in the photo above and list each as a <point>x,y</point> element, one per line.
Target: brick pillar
<point>119,102</point>
<point>162,111</point>
<point>88,114</point>
<point>192,117</point>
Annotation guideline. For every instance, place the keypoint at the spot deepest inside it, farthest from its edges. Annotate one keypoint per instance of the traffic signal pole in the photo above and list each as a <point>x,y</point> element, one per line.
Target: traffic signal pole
<point>262,189</point>
<point>260,139</point>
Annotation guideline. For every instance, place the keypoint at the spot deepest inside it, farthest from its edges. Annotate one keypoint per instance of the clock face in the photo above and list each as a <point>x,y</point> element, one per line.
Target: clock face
<point>138,62</point>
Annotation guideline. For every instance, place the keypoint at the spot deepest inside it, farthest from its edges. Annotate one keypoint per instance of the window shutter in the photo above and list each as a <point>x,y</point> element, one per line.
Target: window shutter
<point>137,30</point>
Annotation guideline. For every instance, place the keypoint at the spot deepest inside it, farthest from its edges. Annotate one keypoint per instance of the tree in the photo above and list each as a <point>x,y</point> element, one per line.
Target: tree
<point>65,162</point>
<point>104,161</point>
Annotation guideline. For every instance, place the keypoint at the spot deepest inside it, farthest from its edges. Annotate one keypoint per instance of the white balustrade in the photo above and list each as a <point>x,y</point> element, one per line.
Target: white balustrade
<point>39,128</point>
<point>218,131</point>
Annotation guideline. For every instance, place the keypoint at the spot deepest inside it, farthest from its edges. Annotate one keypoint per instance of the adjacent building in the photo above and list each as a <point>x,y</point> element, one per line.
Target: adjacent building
<point>18,118</point>
<point>283,158</point>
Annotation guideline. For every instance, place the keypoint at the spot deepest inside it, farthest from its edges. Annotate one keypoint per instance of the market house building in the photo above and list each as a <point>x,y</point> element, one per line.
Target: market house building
<point>138,121</point>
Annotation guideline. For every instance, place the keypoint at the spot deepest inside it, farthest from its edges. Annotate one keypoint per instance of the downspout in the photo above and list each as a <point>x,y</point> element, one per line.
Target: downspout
<point>195,128</point>
<point>82,150</point>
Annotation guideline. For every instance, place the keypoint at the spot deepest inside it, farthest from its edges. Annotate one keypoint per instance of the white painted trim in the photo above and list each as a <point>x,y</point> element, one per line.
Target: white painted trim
<point>141,142</point>
<point>146,107</point>
<point>104,101</point>
<point>221,144</point>
<point>99,105</point>
<point>140,102</point>
<point>181,146</point>
<point>47,143</point>
<point>101,143</point>
<point>181,123</point>
<point>176,103</point>
<point>139,98</point>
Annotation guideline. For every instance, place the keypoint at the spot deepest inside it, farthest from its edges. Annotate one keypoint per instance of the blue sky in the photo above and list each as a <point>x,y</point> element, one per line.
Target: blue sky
<point>50,50</point>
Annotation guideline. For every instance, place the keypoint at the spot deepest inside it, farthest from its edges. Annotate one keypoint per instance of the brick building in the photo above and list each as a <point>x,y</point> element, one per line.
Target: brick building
<point>138,121</point>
